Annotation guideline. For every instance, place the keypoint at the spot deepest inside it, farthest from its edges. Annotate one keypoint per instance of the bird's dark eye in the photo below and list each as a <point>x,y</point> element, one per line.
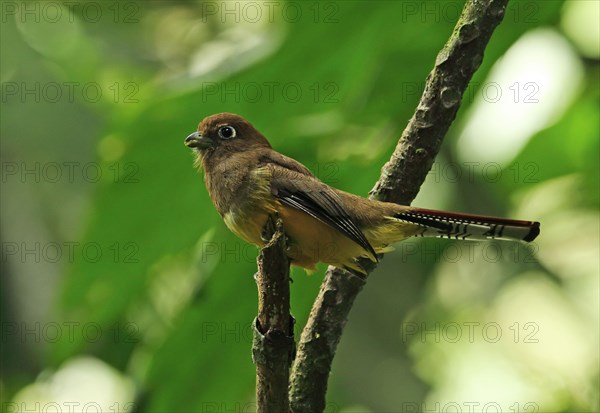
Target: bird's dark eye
<point>226,132</point>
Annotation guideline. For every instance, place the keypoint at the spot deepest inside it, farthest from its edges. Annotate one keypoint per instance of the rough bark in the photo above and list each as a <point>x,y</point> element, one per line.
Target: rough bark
<point>400,181</point>
<point>273,345</point>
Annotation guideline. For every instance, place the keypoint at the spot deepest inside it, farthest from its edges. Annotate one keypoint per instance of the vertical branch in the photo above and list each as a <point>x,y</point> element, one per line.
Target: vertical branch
<point>400,181</point>
<point>273,342</point>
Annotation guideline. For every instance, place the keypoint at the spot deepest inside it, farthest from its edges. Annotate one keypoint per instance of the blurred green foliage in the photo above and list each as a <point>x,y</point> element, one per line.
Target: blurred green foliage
<point>173,292</point>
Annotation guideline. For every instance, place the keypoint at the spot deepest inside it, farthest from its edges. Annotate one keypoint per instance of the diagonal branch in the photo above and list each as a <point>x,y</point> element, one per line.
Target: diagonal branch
<point>400,181</point>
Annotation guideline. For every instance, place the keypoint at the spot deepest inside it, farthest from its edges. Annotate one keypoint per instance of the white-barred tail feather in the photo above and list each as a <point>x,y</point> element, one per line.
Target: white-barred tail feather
<point>469,227</point>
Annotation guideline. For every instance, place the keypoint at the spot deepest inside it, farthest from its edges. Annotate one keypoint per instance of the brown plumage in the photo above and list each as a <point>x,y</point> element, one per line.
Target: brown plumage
<point>248,181</point>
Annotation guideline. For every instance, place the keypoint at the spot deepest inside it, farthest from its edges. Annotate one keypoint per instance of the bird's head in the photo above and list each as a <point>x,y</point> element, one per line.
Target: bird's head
<point>223,134</point>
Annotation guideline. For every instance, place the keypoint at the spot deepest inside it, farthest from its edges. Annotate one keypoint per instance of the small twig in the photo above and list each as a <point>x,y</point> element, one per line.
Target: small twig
<point>273,345</point>
<point>400,181</point>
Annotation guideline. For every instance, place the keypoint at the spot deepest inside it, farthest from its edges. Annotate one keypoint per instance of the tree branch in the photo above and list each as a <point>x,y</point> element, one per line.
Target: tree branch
<point>273,344</point>
<point>400,181</point>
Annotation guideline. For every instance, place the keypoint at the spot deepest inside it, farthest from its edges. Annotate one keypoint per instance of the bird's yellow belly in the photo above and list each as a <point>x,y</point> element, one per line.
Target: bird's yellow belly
<point>309,241</point>
<point>247,225</point>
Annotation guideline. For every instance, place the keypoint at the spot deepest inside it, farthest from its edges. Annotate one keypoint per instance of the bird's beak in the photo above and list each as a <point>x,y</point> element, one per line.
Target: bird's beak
<point>195,140</point>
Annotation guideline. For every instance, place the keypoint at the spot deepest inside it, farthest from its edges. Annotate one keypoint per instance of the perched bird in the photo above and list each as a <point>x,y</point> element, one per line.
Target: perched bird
<point>248,181</point>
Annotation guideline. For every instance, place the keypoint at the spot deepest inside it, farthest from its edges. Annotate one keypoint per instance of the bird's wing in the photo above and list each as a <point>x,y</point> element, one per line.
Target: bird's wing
<point>293,185</point>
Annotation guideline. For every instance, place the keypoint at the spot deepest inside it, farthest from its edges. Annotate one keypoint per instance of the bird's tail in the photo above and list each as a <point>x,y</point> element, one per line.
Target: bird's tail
<point>470,227</point>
